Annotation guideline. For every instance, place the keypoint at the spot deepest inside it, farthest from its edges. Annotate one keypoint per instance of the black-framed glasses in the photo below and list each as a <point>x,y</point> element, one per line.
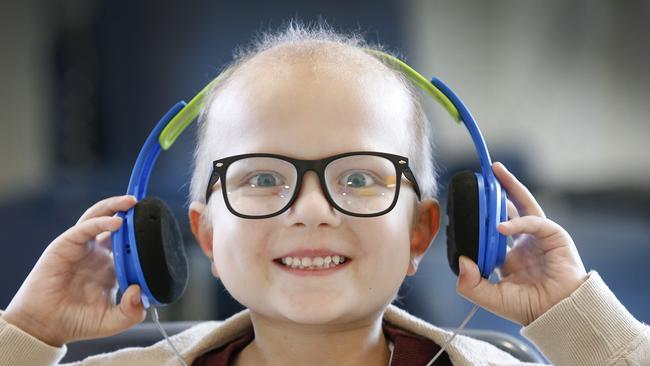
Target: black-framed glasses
<point>262,185</point>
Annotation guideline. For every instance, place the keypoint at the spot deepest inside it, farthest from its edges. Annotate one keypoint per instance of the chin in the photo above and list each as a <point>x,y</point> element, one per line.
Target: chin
<point>315,317</point>
<point>315,309</point>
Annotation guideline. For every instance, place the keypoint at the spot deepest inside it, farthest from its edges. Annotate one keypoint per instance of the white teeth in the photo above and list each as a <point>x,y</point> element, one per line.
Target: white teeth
<point>312,263</point>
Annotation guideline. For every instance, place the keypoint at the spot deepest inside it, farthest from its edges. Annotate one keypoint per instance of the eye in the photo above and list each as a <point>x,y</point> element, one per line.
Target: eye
<point>264,180</point>
<point>357,179</point>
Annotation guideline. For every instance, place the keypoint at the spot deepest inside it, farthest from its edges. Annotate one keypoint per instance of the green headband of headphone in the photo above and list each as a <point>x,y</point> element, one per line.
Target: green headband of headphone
<point>186,115</point>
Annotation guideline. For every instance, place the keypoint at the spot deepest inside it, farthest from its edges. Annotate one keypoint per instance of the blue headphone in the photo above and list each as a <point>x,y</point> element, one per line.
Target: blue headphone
<point>148,249</point>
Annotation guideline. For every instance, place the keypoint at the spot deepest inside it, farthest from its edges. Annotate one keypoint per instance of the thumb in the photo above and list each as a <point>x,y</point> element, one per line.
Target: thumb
<point>475,288</point>
<point>127,313</point>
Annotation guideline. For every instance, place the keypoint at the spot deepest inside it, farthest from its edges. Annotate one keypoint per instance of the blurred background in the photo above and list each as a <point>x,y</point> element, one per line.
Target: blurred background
<point>559,89</point>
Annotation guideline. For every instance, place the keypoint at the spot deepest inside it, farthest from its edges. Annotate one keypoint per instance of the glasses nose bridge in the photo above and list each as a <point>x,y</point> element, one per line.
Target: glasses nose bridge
<point>316,166</point>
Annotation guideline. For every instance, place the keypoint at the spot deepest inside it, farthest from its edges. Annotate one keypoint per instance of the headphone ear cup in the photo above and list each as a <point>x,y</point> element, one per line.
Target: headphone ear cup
<point>161,250</point>
<point>463,213</point>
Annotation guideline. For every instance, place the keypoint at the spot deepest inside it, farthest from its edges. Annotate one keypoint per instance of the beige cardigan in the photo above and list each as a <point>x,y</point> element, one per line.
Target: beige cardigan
<point>591,327</point>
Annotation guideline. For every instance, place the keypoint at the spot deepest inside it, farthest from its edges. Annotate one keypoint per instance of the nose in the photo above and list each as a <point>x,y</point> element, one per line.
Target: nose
<point>311,208</point>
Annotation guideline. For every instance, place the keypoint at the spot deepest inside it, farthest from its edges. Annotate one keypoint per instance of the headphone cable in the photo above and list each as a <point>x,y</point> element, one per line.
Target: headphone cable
<point>462,325</point>
<point>154,316</point>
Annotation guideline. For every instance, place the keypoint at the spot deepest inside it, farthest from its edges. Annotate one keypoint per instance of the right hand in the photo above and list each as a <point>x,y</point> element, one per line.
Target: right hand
<point>69,294</point>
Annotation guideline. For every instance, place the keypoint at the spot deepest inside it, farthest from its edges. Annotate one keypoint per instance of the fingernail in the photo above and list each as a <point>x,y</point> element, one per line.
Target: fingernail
<point>461,266</point>
<point>135,300</point>
<point>113,223</point>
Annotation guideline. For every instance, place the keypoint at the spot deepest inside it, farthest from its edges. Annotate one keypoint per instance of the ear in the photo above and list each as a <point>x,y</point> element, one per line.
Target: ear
<point>425,229</point>
<point>202,232</point>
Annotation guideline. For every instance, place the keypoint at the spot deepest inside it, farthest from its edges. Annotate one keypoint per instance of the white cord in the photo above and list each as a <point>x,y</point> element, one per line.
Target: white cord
<point>154,316</point>
<point>462,325</point>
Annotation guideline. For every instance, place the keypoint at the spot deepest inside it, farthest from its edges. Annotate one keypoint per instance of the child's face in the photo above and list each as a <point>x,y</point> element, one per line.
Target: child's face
<point>289,112</point>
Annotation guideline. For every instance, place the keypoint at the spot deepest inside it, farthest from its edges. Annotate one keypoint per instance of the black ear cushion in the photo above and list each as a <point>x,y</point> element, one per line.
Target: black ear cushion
<point>160,249</point>
<point>462,209</point>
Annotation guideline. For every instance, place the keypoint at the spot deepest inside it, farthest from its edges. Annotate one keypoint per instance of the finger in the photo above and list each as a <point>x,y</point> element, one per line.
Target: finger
<point>512,214</point>
<point>539,227</point>
<point>475,288</point>
<point>104,240</point>
<point>89,229</point>
<point>512,210</point>
<point>127,313</point>
<point>108,207</point>
<point>517,192</point>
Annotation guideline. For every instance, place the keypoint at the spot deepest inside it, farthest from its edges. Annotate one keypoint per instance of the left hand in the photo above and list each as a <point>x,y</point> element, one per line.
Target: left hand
<point>542,268</point>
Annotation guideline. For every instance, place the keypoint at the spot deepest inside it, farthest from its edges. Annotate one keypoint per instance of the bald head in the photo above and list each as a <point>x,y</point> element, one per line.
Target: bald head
<point>316,57</point>
<point>292,92</point>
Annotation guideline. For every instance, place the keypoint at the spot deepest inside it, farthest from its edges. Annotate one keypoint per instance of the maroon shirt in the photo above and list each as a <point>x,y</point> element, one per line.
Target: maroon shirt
<point>409,350</point>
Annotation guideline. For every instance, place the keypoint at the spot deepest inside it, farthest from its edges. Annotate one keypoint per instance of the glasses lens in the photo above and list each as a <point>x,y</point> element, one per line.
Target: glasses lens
<point>362,184</point>
<point>260,186</point>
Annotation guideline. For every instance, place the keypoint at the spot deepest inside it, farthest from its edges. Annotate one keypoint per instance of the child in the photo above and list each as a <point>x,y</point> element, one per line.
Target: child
<point>317,282</point>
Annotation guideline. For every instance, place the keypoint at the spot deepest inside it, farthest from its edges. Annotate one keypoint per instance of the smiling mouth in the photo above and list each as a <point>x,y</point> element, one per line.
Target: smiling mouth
<point>313,263</point>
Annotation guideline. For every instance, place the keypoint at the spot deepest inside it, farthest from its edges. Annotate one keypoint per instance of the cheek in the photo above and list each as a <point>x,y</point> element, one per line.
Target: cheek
<point>236,242</point>
<point>387,245</point>
<point>239,252</point>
